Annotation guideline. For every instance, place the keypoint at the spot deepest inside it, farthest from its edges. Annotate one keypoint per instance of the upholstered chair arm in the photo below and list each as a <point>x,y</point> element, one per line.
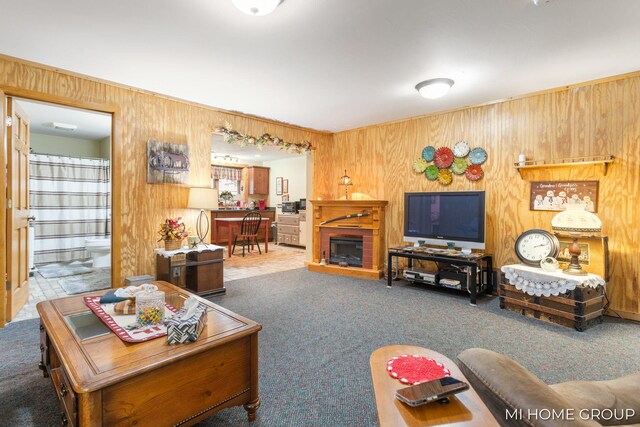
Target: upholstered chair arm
<point>613,402</point>
<point>514,395</point>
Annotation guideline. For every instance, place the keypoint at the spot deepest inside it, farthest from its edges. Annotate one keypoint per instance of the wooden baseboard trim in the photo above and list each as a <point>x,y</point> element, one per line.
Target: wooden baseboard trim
<point>345,271</point>
<point>624,314</point>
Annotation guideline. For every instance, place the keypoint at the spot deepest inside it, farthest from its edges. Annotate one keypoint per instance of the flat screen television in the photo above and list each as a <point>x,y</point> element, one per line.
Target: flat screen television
<point>442,217</point>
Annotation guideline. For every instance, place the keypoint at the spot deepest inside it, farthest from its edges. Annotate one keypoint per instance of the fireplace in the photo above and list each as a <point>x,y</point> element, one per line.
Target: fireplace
<point>348,237</point>
<point>345,251</point>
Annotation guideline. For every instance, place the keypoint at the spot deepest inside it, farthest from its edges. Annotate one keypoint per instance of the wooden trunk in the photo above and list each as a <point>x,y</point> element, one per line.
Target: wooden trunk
<point>580,308</point>
<point>205,272</point>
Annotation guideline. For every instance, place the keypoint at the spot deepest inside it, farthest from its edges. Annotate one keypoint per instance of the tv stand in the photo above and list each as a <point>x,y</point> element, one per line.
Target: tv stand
<point>473,263</point>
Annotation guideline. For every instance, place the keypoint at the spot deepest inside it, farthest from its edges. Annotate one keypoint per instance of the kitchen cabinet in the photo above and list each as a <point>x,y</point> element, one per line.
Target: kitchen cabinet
<point>258,180</point>
<point>289,229</point>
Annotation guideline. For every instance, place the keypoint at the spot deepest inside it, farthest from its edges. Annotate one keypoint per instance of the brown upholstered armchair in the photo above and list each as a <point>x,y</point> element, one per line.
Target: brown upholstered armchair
<point>516,397</point>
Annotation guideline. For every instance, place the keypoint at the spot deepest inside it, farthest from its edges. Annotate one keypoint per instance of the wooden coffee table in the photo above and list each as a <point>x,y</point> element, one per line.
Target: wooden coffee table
<point>464,409</point>
<point>105,381</point>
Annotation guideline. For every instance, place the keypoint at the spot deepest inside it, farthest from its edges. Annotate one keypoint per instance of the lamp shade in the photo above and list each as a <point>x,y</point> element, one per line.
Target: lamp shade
<point>577,220</point>
<point>203,198</point>
<point>345,179</point>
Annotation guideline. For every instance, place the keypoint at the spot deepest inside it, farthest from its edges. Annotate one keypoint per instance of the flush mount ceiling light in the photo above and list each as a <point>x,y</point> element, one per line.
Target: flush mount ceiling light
<point>63,126</point>
<point>256,7</point>
<point>434,88</point>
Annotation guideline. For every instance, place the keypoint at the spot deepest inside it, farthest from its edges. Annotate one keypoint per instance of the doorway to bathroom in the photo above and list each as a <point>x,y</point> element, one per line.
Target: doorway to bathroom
<point>69,193</point>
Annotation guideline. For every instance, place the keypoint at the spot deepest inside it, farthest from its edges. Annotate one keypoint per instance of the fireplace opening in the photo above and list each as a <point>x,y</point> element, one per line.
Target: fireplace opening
<point>346,250</point>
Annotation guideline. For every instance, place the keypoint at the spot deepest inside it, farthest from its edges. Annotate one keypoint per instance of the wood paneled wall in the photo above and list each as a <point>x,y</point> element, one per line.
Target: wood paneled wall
<point>141,116</point>
<point>593,119</point>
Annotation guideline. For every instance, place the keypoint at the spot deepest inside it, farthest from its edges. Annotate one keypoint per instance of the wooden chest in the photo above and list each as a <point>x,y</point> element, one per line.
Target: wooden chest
<point>580,308</point>
<point>205,272</point>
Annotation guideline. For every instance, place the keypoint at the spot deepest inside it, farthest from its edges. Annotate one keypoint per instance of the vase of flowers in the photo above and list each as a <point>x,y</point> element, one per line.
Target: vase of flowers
<point>172,232</point>
<point>226,197</point>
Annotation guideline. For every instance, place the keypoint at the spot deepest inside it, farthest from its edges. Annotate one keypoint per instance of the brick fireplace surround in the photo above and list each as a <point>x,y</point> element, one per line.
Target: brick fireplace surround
<point>327,233</point>
<point>370,228</point>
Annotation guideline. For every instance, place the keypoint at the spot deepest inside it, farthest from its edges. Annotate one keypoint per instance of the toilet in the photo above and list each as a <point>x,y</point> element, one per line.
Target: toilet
<point>99,249</point>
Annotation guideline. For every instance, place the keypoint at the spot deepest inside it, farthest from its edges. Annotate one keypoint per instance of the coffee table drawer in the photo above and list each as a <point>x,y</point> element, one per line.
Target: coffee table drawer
<point>194,385</point>
<point>66,397</point>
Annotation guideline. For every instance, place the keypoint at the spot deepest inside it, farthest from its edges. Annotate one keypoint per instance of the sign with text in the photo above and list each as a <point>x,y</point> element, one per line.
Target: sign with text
<point>557,195</point>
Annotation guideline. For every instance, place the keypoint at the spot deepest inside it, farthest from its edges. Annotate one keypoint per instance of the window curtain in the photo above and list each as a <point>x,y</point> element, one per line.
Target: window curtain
<point>221,172</point>
<point>71,200</point>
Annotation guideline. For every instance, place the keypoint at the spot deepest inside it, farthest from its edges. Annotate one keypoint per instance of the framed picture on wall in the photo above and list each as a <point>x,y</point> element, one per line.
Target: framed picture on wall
<point>279,186</point>
<point>285,186</point>
<point>285,197</point>
<point>557,195</point>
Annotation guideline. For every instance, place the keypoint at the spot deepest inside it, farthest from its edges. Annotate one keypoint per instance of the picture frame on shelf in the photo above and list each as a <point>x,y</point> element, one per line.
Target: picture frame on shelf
<point>564,257</point>
<point>285,197</point>
<point>279,186</point>
<point>285,186</point>
<point>557,195</point>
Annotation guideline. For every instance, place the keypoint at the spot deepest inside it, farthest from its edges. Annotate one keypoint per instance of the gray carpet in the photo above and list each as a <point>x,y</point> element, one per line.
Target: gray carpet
<point>318,333</point>
<point>99,278</point>
<point>64,269</point>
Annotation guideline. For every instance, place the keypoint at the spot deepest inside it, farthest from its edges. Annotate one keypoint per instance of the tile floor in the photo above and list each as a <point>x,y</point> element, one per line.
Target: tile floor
<point>279,258</point>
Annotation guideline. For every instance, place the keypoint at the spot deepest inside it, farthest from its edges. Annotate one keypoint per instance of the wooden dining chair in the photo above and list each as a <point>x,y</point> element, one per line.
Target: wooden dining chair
<point>248,232</point>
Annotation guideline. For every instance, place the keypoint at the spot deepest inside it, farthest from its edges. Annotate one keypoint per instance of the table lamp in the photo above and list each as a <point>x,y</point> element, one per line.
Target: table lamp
<point>576,220</point>
<point>346,182</point>
<point>203,199</point>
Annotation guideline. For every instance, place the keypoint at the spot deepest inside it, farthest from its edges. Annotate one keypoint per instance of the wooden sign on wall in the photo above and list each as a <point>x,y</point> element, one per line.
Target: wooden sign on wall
<point>556,195</point>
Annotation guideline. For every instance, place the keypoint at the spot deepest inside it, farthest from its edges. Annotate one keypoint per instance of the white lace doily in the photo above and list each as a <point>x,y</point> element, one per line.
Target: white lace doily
<point>536,281</point>
<point>185,250</point>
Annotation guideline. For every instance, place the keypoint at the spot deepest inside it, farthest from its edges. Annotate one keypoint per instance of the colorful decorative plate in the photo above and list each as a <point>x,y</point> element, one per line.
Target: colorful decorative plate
<point>459,166</point>
<point>478,156</point>
<point>461,149</point>
<point>428,152</point>
<point>445,177</point>
<point>419,165</point>
<point>443,157</point>
<point>432,173</point>
<point>474,172</point>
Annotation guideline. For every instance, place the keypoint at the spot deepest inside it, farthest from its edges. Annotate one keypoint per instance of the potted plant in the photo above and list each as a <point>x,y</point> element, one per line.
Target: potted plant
<point>226,197</point>
<point>172,232</point>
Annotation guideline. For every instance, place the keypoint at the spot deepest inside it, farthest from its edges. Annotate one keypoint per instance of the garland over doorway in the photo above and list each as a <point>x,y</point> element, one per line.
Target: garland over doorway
<point>235,137</point>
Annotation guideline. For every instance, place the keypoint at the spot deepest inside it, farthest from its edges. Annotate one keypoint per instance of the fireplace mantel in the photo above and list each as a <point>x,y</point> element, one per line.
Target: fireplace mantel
<point>370,227</point>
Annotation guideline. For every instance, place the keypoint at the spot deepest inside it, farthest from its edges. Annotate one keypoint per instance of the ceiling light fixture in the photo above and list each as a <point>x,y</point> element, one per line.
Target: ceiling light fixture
<point>63,126</point>
<point>256,7</point>
<point>434,88</point>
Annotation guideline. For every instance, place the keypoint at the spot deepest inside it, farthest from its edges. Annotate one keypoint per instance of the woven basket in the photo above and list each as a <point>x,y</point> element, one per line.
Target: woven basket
<point>172,244</point>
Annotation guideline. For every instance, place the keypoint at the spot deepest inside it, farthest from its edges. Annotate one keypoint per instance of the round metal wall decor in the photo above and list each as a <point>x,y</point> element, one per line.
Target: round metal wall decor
<point>419,165</point>
<point>459,160</point>
<point>428,152</point>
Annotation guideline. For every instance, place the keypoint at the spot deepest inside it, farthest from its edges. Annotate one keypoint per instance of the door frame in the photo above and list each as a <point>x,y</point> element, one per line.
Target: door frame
<point>116,176</point>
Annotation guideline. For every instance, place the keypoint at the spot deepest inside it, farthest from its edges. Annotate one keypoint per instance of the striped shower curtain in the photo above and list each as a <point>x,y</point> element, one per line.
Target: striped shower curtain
<point>70,198</point>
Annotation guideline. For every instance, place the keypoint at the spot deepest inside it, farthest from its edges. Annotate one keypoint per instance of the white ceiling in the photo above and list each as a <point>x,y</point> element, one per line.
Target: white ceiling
<point>330,64</point>
<point>91,125</point>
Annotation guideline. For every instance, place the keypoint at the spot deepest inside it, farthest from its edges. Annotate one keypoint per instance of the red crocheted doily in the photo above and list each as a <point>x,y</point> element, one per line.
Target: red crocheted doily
<point>412,369</point>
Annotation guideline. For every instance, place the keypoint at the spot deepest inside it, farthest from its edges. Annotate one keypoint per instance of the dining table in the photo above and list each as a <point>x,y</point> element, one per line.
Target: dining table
<point>233,226</point>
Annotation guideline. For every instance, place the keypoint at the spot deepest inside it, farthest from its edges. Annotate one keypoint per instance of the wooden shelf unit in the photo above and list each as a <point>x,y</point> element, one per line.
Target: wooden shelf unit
<point>604,161</point>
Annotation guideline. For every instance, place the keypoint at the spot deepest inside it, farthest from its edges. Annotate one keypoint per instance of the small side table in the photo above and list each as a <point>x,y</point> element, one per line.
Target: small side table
<point>199,270</point>
<point>555,297</point>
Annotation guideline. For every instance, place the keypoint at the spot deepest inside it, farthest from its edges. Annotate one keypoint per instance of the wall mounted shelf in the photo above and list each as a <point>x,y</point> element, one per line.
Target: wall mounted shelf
<point>604,161</point>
